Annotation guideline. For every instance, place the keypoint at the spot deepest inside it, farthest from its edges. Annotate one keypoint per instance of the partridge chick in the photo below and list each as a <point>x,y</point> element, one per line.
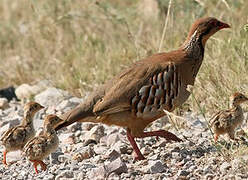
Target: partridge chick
<point>41,146</point>
<point>15,138</point>
<point>137,96</point>
<point>226,121</point>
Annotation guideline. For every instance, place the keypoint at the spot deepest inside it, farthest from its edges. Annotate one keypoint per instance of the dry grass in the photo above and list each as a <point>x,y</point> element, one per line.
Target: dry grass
<point>81,44</point>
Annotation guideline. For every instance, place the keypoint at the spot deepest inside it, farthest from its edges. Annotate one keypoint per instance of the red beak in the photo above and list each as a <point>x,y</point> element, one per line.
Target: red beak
<point>224,25</point>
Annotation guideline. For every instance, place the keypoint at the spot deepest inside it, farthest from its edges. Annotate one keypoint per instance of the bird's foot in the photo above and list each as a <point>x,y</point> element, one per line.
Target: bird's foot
<point>43,165</point>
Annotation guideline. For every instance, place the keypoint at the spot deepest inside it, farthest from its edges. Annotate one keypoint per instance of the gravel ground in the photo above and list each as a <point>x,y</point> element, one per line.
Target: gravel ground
<point>96,151</point>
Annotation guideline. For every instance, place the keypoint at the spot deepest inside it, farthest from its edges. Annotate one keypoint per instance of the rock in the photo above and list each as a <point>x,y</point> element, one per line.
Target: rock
<point>236,163</point>
<point>83,153</point>
<point>4,103</point>
<point>75,127</point>
<point>146,150</point>
<point>51,96</point>
<point>87,126</point>
<point>93,135</point>
<point>209,176</point>
<point>63,158</point>
<point>68,104</point>
<point>183,173</point>
<point>224,167</point>
<point>117,166</point>
<point>156,167</point>
<point>99,149</point>
<point>8,93</point>
<point>66,138</point>
<point>24,91</point>
<point>175,155</point>
<point>64,174</point>
<point>112,155</point>
<point>86,167</point>
<point>55,156</point>
<point>100,173</point>
<point>11,122</point>
<point>49,177</point>
<point>112,139</point>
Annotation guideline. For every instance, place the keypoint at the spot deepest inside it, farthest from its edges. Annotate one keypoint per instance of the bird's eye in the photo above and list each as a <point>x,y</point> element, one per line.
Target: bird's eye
<point>218,23</point>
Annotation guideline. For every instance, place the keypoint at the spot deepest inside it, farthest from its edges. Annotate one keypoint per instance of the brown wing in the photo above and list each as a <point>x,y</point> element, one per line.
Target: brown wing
<point>223,119</point>
<point>36,147</point>
<point>15,136</point>
<point>152,76</point>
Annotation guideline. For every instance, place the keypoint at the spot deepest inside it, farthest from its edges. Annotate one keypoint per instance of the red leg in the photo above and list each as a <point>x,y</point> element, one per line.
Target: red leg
<point>216,138</point>
<point>35,164</point>
<point>4,157</point>
<point>161,133</point>
<point>42,164</point>
<point>139,155</point>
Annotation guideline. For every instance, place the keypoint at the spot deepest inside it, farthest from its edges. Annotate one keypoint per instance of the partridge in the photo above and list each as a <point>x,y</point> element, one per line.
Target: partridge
<point>137,96</point>
<point>39,147</point>
<point>226,121</point>
<point>15,138</point>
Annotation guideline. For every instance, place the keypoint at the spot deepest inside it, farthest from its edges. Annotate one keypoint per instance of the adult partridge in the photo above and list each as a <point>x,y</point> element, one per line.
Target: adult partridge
<point>39,147</point>
<point>15,138</point>
<point>225,122</point>
<point>137,96</point>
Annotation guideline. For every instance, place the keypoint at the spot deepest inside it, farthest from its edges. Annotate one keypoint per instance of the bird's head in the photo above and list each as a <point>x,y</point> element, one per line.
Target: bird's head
<point>237,99</point>
<point>205,27</point>
<point>51,121</point>
<point>32,107</point>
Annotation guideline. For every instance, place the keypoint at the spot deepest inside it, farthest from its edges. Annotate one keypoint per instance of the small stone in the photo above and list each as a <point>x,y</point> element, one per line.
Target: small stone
<point>8,93</point>
<point>99,149</point>
<point>55,156</point>
<point>24,91</point>
<point>64,174</point>
<point>236,163</point>
<point>94,134</point>
<point>51,96</point>
<point>100,173</point>
<point>112,155</point>
<point>146,150</point>
<point>49,177</point>
<point>77,133</point>
<point>117,166</point>
<point>86,167</point>
<point>87,126</point>
<point>175,155</point>
<point>209,176</point>
<point>63,158</point>
<point>83,153</point>
<point>183,173</point>
<point>4,103</point>
<point>112,139</point>
<point>156,167</point>
<point>68,104</point>
<point>66,138</point>
<point>224,167</point>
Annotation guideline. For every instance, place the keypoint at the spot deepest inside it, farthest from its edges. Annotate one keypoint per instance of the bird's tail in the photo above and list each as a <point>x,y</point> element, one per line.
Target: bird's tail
<point>79,113</point>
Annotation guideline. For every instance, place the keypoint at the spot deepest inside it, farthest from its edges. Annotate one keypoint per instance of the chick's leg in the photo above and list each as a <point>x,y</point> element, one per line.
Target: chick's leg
<point>4,157</point>
<point>35,164</point>
<point>42,164</point>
